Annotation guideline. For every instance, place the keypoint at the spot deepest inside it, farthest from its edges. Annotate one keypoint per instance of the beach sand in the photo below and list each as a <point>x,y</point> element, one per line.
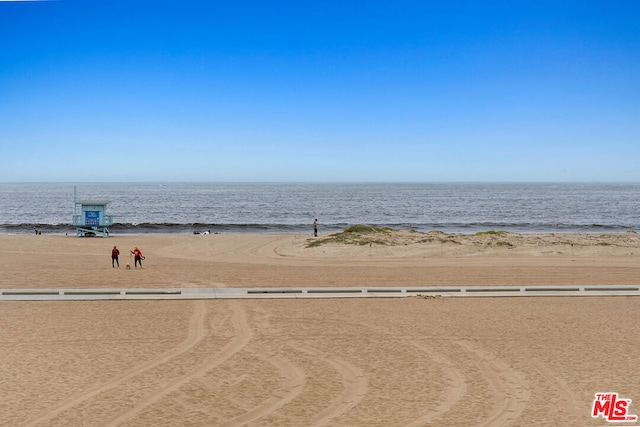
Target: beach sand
<point>336,362</point>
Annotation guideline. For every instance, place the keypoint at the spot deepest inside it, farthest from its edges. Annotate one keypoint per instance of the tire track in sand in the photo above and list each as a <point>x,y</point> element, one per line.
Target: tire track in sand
<point>511,388</point>
<point>196,333</point>
<point>455,377</point>
<point>293,386</point>
<point>354,381</point>
<point>242,336</point>
<point>570,401</point>
<point>295,379</point>
<point>456,381</point>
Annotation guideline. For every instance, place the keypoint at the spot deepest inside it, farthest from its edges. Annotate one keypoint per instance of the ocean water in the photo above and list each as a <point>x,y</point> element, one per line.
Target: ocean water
<point>292,207</point>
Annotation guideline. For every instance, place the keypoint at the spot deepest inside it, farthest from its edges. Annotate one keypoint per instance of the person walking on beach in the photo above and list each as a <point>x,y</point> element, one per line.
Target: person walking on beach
<point>315,227</point>
<point>137,255</point>
<point>114,257</point>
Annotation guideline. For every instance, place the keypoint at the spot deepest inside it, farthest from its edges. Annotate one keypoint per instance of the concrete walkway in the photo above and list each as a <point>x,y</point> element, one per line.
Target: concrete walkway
<point>324,292</point>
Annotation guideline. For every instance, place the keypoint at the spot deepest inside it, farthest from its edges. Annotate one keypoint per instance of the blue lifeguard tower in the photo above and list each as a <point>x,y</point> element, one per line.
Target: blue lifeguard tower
<point>90,218</point>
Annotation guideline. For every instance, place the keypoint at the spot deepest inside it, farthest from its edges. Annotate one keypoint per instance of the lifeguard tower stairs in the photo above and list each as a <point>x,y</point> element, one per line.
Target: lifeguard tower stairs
<point>90,218</point>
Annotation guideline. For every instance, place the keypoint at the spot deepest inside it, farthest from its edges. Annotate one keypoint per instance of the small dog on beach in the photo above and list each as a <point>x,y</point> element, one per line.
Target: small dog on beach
<point>128,266</point>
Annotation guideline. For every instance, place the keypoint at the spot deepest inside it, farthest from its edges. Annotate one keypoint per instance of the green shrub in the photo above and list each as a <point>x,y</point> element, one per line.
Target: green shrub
<point>365,229</point>
<point>491,233</point>
<point>354,235</point>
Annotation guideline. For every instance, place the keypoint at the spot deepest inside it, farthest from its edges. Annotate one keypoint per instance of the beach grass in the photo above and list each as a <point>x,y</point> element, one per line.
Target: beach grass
<point>357,234</point>
<point>490,233</point>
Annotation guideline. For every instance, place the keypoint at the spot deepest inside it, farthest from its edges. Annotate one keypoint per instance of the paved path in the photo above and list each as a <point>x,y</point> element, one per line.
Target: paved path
<point>320,292</point>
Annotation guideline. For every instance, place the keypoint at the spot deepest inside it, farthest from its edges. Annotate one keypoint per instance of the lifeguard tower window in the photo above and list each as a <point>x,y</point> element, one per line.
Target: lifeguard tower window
<point>90,218</point>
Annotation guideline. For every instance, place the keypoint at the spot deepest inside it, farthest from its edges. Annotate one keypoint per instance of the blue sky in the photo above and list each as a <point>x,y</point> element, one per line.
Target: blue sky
<point>319,91</point>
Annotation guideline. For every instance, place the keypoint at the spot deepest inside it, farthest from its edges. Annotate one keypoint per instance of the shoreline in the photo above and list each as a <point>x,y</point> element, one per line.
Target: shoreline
<point>309,231</point>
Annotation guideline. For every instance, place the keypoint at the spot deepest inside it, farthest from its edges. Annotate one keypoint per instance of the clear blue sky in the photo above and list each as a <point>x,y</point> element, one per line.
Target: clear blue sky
<point>319,91</point>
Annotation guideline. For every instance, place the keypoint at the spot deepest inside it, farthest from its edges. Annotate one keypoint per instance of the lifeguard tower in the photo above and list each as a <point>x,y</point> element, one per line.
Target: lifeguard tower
<point>90,218</point>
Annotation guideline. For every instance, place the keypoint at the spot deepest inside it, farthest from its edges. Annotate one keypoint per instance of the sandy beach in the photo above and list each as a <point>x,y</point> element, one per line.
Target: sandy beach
<point>334,362</point>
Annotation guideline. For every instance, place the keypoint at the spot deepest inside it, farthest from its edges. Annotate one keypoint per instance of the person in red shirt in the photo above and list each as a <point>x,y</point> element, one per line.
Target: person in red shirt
<point>137,255</point>
<point>114,257</point>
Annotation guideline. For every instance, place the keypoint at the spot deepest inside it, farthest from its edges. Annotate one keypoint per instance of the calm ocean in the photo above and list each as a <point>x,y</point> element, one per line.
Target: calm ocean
<point>291,207</point>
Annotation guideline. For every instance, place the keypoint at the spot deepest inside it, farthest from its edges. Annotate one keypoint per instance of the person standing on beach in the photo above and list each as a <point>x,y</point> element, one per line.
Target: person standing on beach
<point>137,255</point>
<point>114,257</point>
<point>315,227</point>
